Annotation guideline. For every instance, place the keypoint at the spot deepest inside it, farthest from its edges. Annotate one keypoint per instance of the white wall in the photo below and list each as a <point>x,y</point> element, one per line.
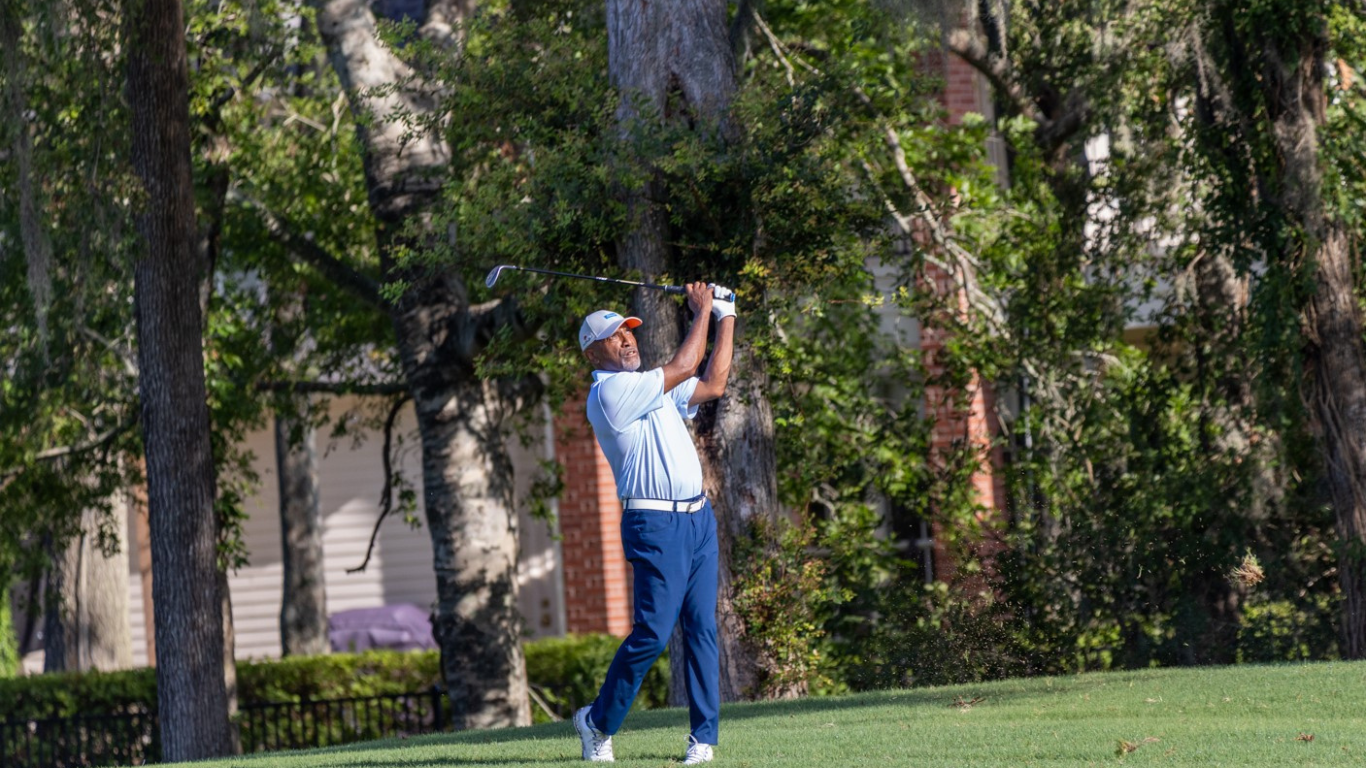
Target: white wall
<point>350,478</point>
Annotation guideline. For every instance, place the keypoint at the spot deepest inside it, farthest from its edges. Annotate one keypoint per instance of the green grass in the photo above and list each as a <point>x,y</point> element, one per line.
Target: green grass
<point>1229,716</point>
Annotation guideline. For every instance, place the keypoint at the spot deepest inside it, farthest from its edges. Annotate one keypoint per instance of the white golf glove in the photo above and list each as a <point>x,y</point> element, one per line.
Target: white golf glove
<point>720,308</point>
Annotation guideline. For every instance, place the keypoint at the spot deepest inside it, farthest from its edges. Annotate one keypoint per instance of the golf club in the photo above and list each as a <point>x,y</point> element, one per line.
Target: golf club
<point>498,270</point>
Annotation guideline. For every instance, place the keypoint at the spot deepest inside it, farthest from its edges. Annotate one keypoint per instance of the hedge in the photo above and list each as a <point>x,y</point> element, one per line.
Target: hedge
<point>565,673</point>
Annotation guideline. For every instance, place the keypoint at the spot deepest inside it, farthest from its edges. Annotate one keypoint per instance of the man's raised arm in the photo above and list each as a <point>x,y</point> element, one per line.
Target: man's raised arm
<point>713,382</point>
<point>683,365</point>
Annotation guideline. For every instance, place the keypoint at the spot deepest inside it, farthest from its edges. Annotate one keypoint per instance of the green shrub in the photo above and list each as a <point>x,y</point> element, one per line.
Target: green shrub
<point>63,694</point>
<point>9,646</point>
<point>1281,630</point>
<point>564,672</point>
<point>337,676</point>
<point>781,594</point>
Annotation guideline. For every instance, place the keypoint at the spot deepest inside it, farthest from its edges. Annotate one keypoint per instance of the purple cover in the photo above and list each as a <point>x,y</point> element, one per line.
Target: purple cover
<point>402,627</point>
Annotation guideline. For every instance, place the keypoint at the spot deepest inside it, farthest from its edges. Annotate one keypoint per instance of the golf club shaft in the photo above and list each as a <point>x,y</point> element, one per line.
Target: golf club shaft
<point>665,288</point>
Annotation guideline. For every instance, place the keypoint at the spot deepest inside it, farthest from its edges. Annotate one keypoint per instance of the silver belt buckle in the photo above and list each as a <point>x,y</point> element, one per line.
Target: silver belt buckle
<point>688,506</point>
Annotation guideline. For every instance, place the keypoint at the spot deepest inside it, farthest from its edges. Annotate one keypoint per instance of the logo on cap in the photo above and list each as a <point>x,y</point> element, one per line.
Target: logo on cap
<point>602,324</point>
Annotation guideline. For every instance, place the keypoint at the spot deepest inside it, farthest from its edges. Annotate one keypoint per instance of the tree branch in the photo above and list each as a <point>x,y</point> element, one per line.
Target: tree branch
<point>746,11</point>
<point>485,321</point>
<point>1051,134</point>
<point>304,249</point>
<point>386,495</point>
<point>93,444</point>
<point>995,69</point>
<point>964,266</point>
<point>777,48</point>
<point>1052,129</point>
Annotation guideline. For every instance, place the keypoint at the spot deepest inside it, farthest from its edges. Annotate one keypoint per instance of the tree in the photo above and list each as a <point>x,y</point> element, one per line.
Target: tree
<point>192,699</point>
<point>1264,81</point>
<point>303,611</point>
<point>1107,231</point>
<point>303,603</point>
<point>469,507</point>
<point>547,173</point>
<point>69,407</point>
<point>674,62</point>
<point>87,624</point>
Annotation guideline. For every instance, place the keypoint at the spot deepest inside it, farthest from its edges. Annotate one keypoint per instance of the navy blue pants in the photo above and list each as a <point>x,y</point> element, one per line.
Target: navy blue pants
<point>675,559</point>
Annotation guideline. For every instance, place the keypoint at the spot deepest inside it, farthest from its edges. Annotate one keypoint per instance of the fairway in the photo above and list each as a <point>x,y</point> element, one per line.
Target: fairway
<point>1301,715</point>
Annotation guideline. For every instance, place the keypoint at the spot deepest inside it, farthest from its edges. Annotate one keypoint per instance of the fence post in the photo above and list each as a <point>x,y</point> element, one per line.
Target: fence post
<point>438,708</point>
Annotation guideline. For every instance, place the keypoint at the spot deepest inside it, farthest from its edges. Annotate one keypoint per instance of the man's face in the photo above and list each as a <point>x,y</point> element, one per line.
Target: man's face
<point>617,352</point>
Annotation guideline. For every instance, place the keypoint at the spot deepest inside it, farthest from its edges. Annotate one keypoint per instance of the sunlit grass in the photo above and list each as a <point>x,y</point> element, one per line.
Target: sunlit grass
<point>1291,715</point>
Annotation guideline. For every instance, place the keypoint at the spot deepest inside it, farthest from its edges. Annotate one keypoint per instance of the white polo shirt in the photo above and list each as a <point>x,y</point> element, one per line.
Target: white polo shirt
<point>640,428</point>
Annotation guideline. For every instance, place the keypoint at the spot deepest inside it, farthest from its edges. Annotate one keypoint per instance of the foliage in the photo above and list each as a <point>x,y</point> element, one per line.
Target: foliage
<point>565,671</point>
<point>1141,464</point>
<point>781,594</point>
<point>9,644</point>
<point>1121,298</point>
<point>61,694</point>
<point>69,406</point>
<point>67,403</point>
<point>1139,468</point>
<point>893,629</point>
<point>1283,630</point>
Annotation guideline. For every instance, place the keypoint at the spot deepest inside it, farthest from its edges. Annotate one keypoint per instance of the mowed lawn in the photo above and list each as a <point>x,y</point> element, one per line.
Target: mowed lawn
<point>1286,715</point>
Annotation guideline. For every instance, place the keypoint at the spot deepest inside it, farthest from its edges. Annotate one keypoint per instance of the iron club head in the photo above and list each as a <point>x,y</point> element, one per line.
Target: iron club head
<point>493,275</point>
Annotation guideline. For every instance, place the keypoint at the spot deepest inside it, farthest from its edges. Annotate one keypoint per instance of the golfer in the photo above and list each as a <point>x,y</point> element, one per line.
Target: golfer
<point>668,530</point>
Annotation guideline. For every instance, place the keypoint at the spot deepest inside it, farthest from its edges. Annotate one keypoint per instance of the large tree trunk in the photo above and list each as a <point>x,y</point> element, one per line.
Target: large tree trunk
<point>191,696</point>
<point>303,607</point>
<point>1338,370</point>
<point>87,620</point>
<point>676,60</point>
<point>467,477</point>
<point>1337,365</point>
<point>303,602</point>
<point>229,661</point>
<point>738,459</point>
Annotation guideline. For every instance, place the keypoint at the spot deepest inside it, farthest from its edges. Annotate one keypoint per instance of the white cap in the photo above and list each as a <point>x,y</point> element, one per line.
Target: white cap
<point>602,324</point>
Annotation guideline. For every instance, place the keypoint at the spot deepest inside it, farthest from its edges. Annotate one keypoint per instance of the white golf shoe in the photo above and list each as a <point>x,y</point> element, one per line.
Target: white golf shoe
<point>698,752</point>
<point>597,746</point>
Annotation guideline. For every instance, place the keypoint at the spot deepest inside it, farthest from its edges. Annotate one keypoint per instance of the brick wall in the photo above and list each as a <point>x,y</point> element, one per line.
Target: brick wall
<point>967,418</point>
<point>596,591</point>
<point>963,91</point>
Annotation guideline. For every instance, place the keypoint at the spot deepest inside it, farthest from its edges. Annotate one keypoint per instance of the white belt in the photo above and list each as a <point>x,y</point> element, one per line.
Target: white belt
<point>660,505</point>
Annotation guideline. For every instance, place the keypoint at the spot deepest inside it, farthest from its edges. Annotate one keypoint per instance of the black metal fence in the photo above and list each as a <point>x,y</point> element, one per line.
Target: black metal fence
<point>58,742</point>
<point>133,738</point>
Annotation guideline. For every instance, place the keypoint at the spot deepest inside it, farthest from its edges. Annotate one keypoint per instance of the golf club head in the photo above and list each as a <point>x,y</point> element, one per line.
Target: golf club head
<point>493,275</point>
